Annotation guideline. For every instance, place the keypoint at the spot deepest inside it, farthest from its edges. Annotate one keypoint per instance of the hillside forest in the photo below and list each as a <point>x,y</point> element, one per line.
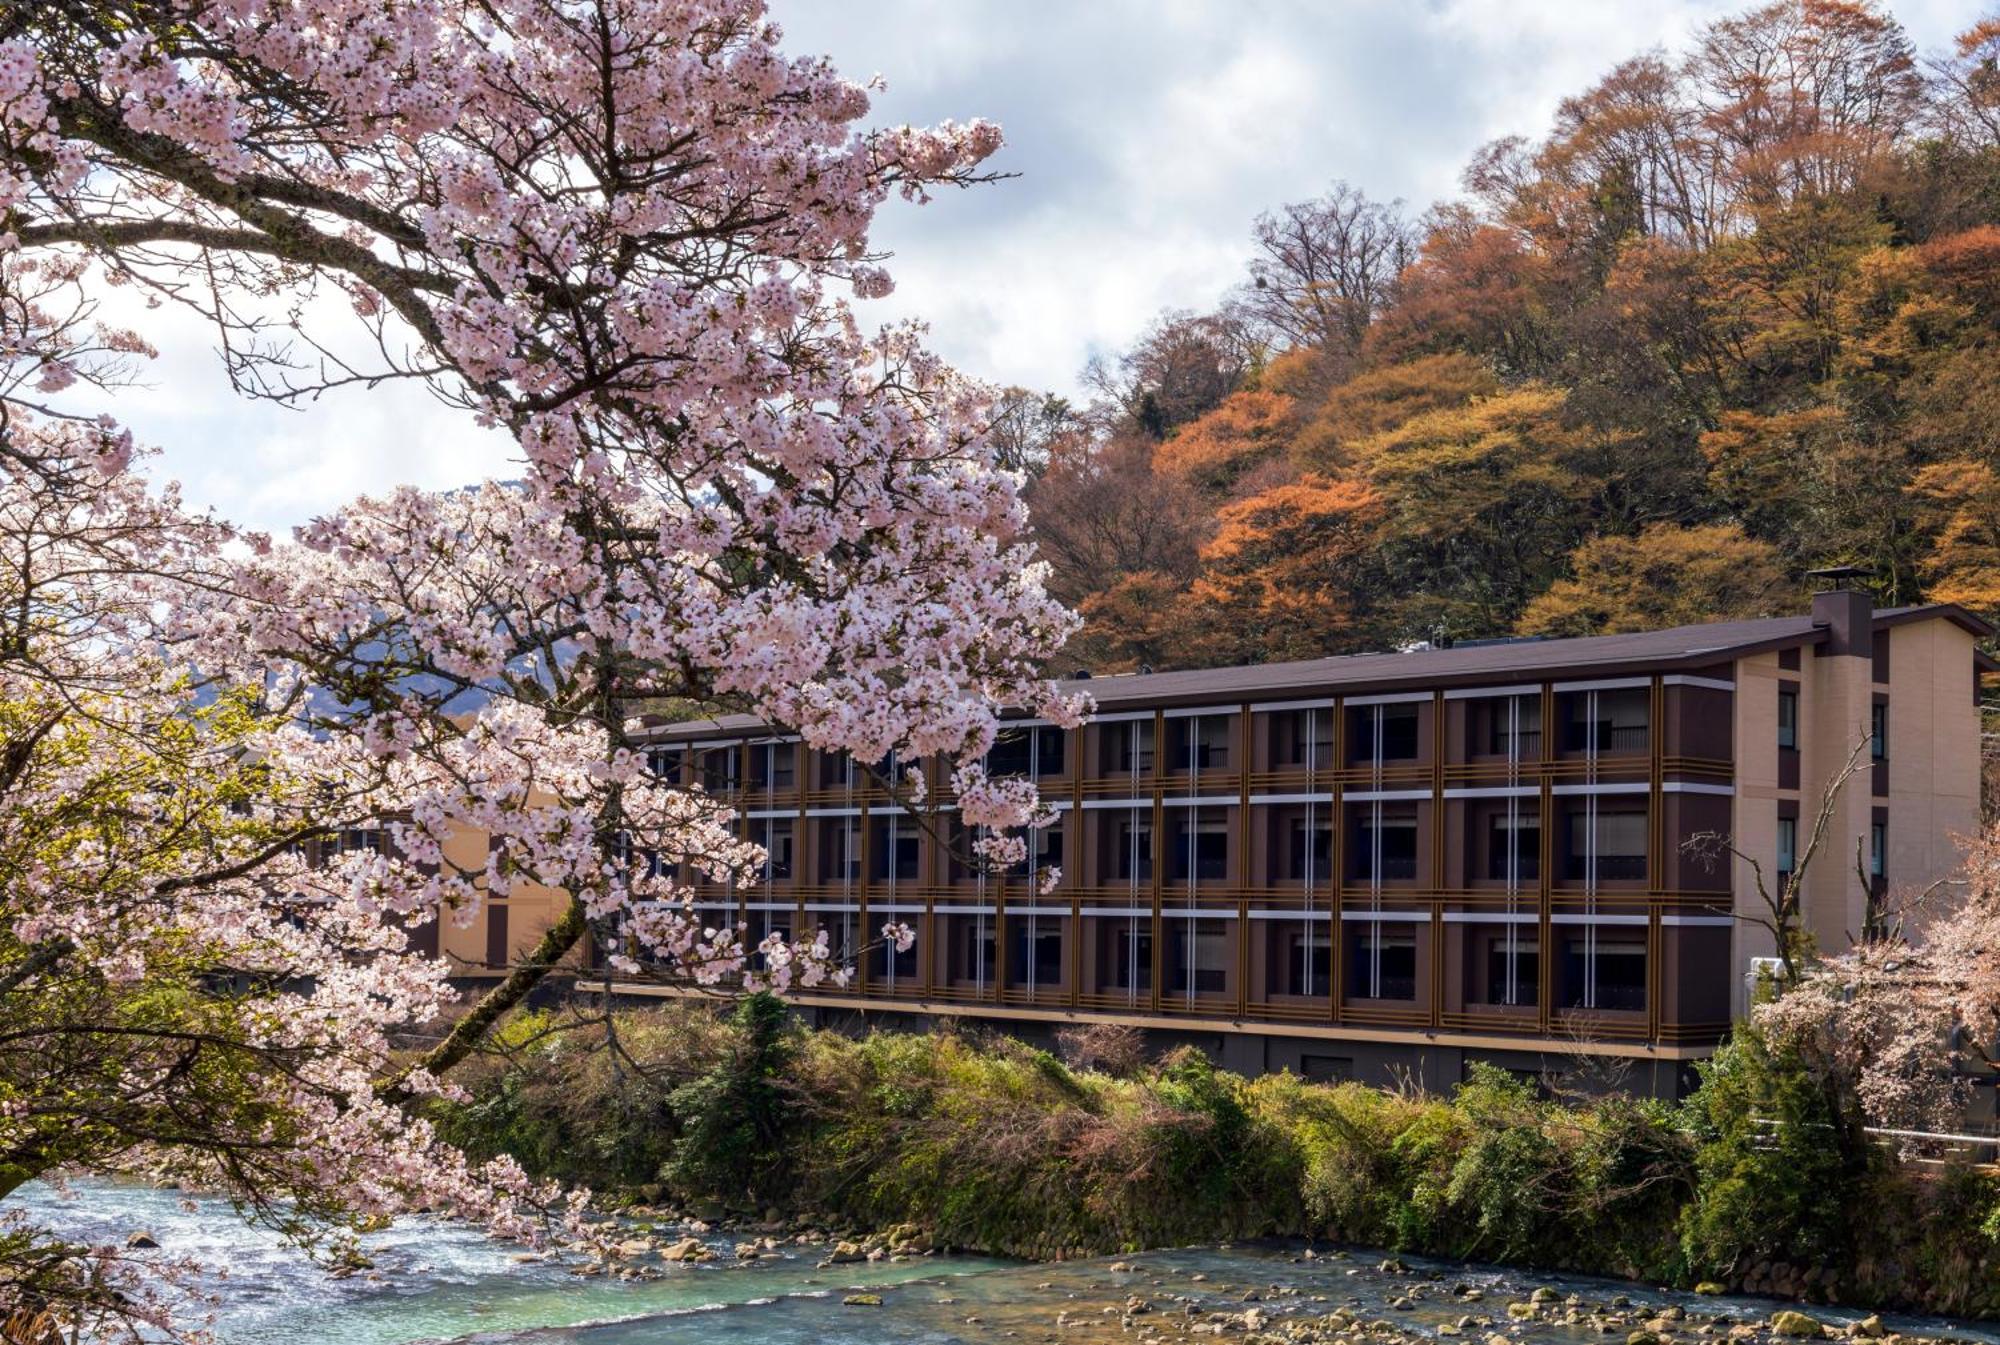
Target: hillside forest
<point>1734,316</point>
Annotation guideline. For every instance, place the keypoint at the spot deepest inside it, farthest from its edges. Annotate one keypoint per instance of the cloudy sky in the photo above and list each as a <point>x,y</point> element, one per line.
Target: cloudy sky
<point>1147,135</point>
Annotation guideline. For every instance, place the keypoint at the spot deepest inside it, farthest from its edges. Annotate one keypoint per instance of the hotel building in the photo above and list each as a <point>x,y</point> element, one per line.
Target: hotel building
<point>1534,852</point>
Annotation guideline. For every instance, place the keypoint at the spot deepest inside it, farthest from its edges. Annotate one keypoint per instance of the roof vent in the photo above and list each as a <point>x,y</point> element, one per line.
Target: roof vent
<point>1840,578</point>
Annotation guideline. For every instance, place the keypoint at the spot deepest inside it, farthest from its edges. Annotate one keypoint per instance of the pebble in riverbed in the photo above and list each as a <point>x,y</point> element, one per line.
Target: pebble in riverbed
<point>1268,1316</point>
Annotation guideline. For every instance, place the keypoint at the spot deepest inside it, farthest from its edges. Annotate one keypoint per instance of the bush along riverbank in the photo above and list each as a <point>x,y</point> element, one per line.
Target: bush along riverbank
<point>1759,1182</point>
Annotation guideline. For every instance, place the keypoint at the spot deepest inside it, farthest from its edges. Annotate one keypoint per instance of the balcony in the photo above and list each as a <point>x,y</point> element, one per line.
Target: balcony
<point>1611,738</point>
<point>1613,868</point>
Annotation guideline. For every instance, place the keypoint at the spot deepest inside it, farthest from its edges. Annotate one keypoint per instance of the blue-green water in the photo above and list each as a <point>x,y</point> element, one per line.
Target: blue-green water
<point>434,1281</point>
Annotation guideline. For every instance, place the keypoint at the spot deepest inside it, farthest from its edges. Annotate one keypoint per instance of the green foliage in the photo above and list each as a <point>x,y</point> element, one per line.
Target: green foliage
<point>991,1144</point>
<point>733,1118</point>
<point>1778,1163</point>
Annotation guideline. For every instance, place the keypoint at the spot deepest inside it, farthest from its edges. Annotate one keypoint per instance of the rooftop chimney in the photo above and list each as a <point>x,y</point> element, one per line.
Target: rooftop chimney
<point>1846,609</point>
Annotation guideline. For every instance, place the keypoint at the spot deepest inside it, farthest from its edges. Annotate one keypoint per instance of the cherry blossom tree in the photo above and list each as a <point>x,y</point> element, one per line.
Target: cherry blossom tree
<point>625,233</point>
<point>1895,1017</point>
<point>180,989</point>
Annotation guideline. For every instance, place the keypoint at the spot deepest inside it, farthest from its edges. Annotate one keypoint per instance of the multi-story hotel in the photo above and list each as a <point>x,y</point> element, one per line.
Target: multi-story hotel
<point>1535,852</point>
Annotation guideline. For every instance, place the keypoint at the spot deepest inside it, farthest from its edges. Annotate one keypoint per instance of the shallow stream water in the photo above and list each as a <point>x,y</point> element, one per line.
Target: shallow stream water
<point>439,1282</point>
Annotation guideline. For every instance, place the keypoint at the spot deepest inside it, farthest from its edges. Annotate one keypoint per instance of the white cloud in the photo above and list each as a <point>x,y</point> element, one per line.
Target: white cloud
<point>1147,134</point>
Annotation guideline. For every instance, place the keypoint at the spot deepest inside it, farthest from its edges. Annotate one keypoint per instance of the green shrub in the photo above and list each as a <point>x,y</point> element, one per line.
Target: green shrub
<point>1779,1167</point>
<point>733,1118</point>
<point>994,1145</point>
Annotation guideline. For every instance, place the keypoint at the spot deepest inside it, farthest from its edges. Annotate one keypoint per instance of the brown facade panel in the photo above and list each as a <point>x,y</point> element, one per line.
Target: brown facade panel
<point>1498,846</point>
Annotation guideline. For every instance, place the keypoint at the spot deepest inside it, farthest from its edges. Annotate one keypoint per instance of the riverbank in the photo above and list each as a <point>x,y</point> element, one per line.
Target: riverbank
<point>436,1280</point>
<point>1757,1184</point>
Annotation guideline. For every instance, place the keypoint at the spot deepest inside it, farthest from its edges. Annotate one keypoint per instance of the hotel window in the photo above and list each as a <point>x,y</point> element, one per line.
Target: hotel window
<point>1513,967</point>
<point>1302,957</point>
<point>719,767</point>
<point>1607,721</point>
<point>1197,957</point>
<point>1127,955</point>
<point>1390,839</point>
<point>1035,951</point>
<point>771,765</point>
<point>358,840</point>
<point>1514,727</point>
<point>1045,851</point>
<point>838,771</point>
<point>896,843</point>
<point>1788,850</point>
<point>1615,848</point>
<point>1132,849</point>
<point>1788,719</point>
<point>840,851</point>
<point>1199,845</point>
<point>975,951</point>
<point>888,963</point>
<point>1321,855</point>
<point>1392,727</point>
<point>665,762</point>
<point>1304,738</point>
<point>1384,964</point>
<point>1878,731</point>
<point>1128,746</point>
<point>1604,972</point>
<point>1198,743</point>
<point>1029,750</point>
<point>1878,849</point>
<point>777,842</point>
<point>1517,840</point>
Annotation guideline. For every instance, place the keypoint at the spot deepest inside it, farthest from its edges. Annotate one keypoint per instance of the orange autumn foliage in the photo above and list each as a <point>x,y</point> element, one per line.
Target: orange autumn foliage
<point>1665,576</point>
<point>1217,449</point>
<point>1288,570</point>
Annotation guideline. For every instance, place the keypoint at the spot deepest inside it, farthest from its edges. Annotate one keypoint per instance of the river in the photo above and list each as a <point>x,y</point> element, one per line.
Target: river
<point>435,1281</point>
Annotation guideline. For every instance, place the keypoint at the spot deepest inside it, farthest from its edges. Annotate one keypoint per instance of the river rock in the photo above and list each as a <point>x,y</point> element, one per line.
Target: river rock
<point>1796,1325</point>
<point>862,1301</point>
<point>1522,1312</point>
<point>687,1249</point>
<point>1710,1289</point>
<point>845,1252</point>
<point>1868,1328</point>
<point>1642,1338</point>
<point>141,1241</point>
<point>1543,1294</point>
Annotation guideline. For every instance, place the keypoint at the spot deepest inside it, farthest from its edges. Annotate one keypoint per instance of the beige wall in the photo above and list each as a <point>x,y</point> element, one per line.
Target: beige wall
<point>1933,754</point>
<point>1754,831</point>
<point>531,909</point>
<point>1833,721</point>
<point>1933,798</point>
